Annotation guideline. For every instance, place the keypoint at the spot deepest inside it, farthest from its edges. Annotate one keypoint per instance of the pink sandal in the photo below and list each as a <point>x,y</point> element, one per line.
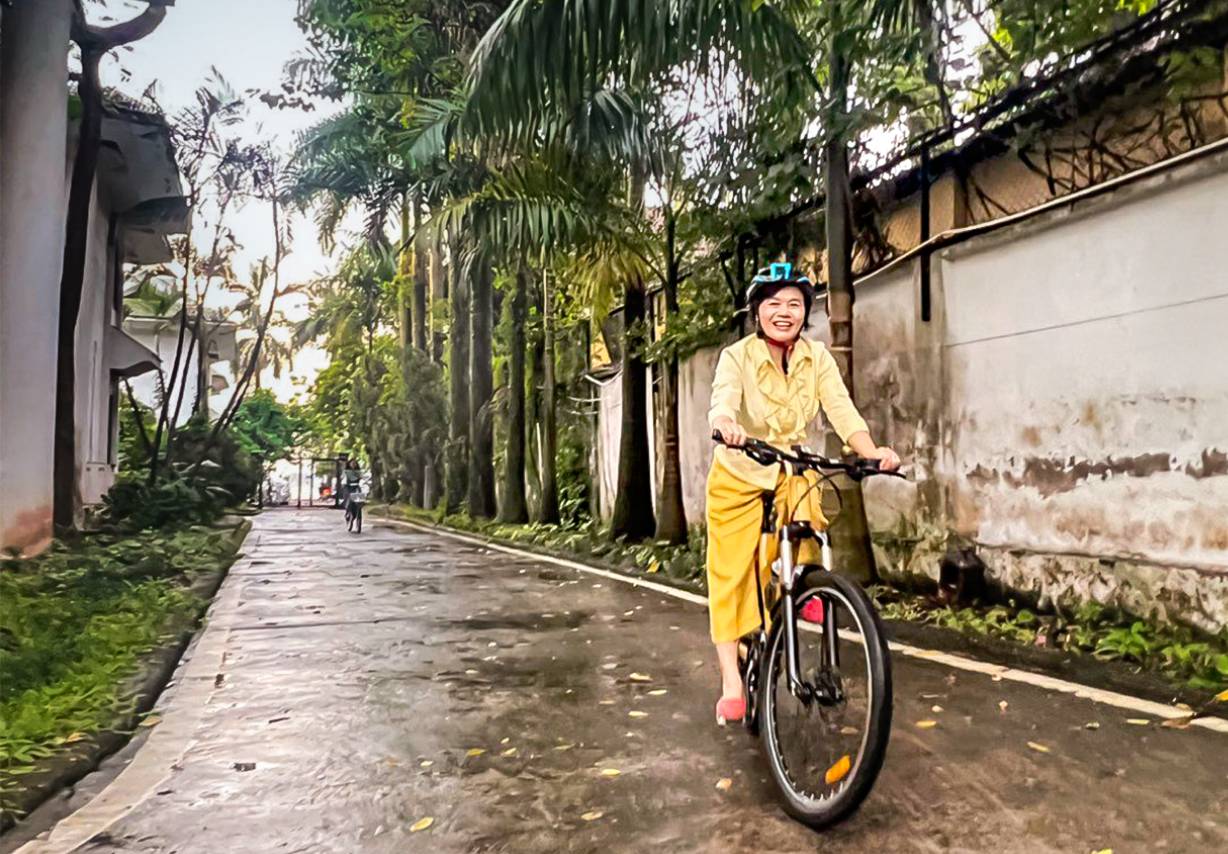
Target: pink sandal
<point>730,709</point>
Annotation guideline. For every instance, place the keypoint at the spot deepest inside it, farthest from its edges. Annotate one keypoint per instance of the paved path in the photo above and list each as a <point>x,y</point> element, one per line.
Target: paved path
<point>345,684</point>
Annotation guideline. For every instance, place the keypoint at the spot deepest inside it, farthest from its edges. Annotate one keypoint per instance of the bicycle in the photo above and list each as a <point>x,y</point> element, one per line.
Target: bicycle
<point>826,755</point>
<point>354,499</point>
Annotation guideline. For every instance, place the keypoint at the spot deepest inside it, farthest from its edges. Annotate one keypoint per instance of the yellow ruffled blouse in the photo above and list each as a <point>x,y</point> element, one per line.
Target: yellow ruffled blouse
<point>750,389</point>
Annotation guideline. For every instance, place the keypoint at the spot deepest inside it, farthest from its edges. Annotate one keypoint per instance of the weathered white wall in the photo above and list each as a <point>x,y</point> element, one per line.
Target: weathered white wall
<point>1086,375</point>
<point>1065,409</point>
<point>33,145</point>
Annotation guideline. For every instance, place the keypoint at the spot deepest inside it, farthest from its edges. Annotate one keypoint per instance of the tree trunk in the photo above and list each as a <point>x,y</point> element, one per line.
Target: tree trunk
<point>421,283</point>
<point>439,294</point>
<point>457,464</point>
<point>550,429</point>
<point>405,318</point>
<point>65,493</point>
<point>851,534</point>
<point>537,360</point>
<point>671,513</point>
<point>633,501</point>
<point>515,509</point>
<point>481,389</point>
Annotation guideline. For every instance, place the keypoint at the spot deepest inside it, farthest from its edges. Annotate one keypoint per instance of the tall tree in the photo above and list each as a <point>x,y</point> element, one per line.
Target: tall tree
<point>481,388</point>
<point>457,461</point>
<point>95,43</point>
<point>514,508</point>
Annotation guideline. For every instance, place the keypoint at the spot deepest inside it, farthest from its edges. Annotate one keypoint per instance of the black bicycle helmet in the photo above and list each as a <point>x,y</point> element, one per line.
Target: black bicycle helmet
<point>771,279</point>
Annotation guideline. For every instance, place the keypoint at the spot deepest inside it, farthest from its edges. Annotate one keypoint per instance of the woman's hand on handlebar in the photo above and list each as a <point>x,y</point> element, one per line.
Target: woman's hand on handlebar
<point>731,432</point>
<point>888,460</point>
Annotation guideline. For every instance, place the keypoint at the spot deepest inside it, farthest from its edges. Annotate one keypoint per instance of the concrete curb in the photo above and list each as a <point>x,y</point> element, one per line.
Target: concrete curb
<point>154,671</point>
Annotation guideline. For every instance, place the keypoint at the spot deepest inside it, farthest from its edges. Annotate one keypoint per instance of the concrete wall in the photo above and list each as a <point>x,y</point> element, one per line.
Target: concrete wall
<point>1065,409</point>
<point>33,148</point>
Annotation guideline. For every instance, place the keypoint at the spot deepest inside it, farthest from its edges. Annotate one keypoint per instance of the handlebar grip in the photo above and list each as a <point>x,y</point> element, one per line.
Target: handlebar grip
<point>717,437</point>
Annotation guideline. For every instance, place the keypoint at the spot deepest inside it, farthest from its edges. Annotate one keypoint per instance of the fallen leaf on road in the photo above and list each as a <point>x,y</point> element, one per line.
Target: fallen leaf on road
<point>592,815</point>
<point>640,677</point>
<point>605,702</point>
<point>610,665</point>
<point>1092,725</point>
<point>657,692</point>
<point>1104,851</point>
<point>1138,721</point>
<point>426,763</point>
<point>1039,748</point>
<point>932,696</point>
<point>421,824</point>
<point>837,772</point>
<point>628,613</point>
<point>505,740</point>
<point>654,565</point>
<point>74,737</point>
<point>849,730</point>
<point>637,714</point>
<point>1002,704</point>
<point>610,772</point>
<point>564,746</point>
<point>926,724</point>
<point>511,751</point>
<point>935,709</point>
<point>152,720</point>
<point>1179,723</point>
<point>1221,697</point>
<point>724,784</point>
<point>475,751</point>
<point>244,766</point>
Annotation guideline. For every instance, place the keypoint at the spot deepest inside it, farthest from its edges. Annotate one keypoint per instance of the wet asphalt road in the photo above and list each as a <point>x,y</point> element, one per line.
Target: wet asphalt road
<point>361,676</point>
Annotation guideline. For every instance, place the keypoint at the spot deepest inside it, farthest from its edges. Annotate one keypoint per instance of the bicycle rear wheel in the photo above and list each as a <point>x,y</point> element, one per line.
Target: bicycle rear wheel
<point>825,754</point>
<point>358,519</point>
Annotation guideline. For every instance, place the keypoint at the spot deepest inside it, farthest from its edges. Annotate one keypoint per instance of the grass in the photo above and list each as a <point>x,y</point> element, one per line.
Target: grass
<point>1198,660</point>
<point>1179,653</point>
<point>73,624</point>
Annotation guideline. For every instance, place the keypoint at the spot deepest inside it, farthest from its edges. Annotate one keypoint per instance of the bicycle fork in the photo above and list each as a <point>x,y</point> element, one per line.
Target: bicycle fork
<point>826,688</point>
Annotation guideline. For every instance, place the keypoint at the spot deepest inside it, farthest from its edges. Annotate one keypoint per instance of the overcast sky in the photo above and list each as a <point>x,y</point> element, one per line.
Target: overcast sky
<point>249,42</point>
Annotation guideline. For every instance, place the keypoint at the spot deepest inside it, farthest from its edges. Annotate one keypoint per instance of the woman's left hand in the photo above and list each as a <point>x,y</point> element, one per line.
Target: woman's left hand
<point>888,460</point>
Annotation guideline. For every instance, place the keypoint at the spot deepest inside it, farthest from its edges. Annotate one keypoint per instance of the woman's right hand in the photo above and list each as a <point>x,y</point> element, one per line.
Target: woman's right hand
<point>730,431</point>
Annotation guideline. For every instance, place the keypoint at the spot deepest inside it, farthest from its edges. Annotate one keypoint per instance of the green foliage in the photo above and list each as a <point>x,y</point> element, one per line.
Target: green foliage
<point>132,503</point>
<point>1177,651</point>
<point>74,621</point>
<point>266,428</point>
<point>195,489</point>
<point>133,452</point>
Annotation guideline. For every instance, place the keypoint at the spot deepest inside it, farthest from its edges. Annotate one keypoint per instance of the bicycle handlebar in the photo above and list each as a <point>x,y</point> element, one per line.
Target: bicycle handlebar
<point>857,468</point>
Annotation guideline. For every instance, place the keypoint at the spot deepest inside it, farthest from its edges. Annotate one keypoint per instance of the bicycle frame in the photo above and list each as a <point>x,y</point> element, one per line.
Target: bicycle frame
<point>788,574</point>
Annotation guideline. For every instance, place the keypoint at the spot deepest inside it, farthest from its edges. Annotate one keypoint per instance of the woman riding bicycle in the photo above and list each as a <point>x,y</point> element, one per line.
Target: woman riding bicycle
<point>769,386</point>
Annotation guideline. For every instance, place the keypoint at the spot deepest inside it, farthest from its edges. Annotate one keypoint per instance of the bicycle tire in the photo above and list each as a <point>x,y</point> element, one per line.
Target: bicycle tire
<point>828,810</point>
<point>358,519</point>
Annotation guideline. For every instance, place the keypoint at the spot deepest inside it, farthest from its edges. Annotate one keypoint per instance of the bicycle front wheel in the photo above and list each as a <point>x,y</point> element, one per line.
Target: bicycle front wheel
<point>826,743</point>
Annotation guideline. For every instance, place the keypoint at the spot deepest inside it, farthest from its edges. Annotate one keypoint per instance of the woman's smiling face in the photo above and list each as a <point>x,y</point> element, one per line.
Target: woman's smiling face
<point>782,314</point>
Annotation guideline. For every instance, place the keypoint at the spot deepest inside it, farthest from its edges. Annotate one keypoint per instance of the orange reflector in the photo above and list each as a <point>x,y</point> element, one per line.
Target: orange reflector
<point>837,772</point>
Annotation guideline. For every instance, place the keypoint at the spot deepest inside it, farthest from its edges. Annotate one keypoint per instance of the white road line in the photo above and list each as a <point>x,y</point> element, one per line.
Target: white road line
<point>958,662</point>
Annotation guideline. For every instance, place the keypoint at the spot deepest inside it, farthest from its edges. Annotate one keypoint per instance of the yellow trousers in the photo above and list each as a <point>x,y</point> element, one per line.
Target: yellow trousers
<point>736,549</point>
